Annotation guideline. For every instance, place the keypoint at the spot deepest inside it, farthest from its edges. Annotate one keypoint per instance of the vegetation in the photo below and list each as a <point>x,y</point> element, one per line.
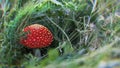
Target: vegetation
<point>86,33</point>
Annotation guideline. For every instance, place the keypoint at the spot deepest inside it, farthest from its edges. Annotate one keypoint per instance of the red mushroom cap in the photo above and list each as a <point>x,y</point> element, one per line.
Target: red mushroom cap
<point>38,36</point>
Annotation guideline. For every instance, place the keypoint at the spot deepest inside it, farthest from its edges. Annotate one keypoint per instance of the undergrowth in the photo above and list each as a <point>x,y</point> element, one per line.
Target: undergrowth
<point>86,33</point>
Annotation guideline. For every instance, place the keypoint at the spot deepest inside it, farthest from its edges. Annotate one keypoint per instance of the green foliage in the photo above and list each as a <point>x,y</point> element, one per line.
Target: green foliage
<point>10,44</point>
<point>85,32</point>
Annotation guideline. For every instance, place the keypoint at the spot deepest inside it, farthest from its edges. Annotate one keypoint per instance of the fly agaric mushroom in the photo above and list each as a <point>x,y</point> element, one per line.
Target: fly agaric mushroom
<point>38,36</point>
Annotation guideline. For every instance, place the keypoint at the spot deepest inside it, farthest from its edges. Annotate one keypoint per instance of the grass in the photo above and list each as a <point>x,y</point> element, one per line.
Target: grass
<point>86,33</point>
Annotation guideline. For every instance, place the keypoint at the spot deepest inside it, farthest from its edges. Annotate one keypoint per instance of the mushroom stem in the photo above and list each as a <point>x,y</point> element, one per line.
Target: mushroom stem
<point>37,53</point>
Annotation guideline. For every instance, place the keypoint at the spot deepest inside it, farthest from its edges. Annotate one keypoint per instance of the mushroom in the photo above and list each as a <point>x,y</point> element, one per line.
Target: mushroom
<point>38,36</point>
